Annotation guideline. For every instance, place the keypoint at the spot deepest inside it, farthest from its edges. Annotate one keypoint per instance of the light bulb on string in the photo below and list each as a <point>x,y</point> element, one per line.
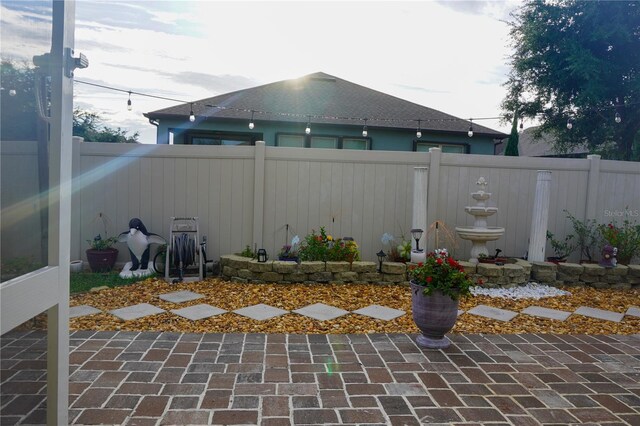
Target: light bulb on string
<point>364,129</point>
<point>307,130</point>
<point>618,119</point>
<point>418,131</point>
<point>251,125</point>
<point>192,116</point>
<point>129,107</point>
<point>569,124</point>
<point>521,125</point>
<point>470,132</point>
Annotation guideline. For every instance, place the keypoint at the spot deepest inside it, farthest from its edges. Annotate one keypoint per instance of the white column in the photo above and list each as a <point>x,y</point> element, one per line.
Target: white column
<point>420,188</point>
<point>540,217</point>
<point>258,193</point>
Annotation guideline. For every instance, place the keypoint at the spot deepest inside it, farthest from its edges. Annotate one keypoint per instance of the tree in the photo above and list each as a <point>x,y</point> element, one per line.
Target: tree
<point>512,143</point>
<point>89,126</point>
<point>580,61</point>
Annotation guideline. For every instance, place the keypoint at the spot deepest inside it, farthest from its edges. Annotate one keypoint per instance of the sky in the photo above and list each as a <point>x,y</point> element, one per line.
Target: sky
<point>448,55</point>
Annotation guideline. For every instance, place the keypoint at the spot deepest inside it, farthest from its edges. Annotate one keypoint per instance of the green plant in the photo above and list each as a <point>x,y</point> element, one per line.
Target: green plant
<point>397,251</point>
<point>99,243</point>
<point>84,281</point>
<point>561,248</point>
<point>441,272</point>
<point>322,247</point>
<point>625,237</point>
<point>587,236</point>
<point>247,252</point>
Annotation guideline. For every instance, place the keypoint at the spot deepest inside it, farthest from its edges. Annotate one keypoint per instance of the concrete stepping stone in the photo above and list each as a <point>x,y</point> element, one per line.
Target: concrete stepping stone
<point>321,312</point>
<point>180,296</point>
<point>136,311</point>
<point>82,310</point>
<point>198,312</point>
<point>380,312</point>
<point>599,314</point>
<point>539,311</point>
<point>633,311</point>
<point>493,313</point>
<point>460,312</point>
<point>260,312</point>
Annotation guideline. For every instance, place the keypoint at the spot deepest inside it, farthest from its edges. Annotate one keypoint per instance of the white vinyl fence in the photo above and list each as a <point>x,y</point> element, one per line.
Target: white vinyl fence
<point>248,195</point>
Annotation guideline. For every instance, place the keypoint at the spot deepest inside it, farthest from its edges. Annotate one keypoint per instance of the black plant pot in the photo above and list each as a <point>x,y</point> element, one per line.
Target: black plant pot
<point>102,260</point>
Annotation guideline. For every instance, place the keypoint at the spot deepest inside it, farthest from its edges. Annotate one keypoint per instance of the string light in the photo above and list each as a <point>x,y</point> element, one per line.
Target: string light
<point>521,124</point>
<point>364,129</point>
<point>251,125</point>
<point>617,117</point>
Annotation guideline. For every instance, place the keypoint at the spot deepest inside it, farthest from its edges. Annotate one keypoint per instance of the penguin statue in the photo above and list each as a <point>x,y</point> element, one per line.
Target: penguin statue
<point>138,240</point>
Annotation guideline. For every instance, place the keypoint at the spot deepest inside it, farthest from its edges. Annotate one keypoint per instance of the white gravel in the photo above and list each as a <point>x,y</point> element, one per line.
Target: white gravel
<point>530,290</point>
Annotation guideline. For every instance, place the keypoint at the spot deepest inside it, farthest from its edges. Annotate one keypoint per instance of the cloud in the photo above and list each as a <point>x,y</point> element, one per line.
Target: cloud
<point>422,89</point>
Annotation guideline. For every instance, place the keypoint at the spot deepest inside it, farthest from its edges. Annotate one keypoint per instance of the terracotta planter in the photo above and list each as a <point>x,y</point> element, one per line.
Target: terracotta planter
<point>435,315</point>
<point>102,260</point>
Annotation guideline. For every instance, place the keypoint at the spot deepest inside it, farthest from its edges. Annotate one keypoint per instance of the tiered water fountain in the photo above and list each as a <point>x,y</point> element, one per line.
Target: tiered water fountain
<point>480,233</point>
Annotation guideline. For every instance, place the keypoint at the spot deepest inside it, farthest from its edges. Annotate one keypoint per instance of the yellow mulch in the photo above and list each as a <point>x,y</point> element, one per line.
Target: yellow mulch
<point>230,296</point>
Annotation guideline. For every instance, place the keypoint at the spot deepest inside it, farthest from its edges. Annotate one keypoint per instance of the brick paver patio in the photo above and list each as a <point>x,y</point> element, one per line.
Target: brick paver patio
<point>155,378</point>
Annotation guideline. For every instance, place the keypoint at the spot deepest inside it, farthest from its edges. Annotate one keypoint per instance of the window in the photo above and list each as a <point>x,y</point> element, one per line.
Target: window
<point>296,141</point>
<point>323,141</point>
<point>448,148</point>
<point>353,143</point>
<point>203,137</point>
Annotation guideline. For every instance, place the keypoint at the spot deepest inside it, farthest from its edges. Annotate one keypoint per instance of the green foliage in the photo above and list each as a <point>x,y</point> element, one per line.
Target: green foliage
<point>322,247</point>
<point>18,113</point>
<point>89,126</point>
<point>512,144</point>
<point>247,252</point>
<point>578,59</point>
<point>561,248</point>
<point>624,237</point>
<point>99,243</point>
<point>441,272</point>
<point>587,236</point>
<point>85,281</point>
<point>16,266</point>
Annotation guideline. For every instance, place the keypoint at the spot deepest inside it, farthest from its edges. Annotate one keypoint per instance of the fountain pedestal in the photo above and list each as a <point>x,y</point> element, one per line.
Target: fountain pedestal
<point>480,233</point>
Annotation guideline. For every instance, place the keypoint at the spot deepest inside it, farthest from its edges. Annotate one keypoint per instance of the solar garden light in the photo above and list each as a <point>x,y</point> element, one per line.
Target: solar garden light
<point>381,255</point>
<point>262,255</point>
<point>417,234</point>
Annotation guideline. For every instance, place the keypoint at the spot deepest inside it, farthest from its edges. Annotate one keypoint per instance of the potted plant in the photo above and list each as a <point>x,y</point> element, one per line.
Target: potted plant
<point>625,237</point>
<point>436,287</point>
<point>101,254</point>
<point>561,248</point>
<point>397,252</point>
<point>289,252</point>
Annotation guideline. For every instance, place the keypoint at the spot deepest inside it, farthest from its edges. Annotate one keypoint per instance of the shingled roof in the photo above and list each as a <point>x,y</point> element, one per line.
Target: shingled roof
<point>324,99</point>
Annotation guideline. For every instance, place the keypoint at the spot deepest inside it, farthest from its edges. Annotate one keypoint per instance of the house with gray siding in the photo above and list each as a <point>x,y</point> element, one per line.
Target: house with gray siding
<point>319,111</point>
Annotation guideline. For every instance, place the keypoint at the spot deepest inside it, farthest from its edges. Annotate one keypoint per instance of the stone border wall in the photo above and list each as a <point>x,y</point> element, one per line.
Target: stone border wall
<point>587,274</point>
<point>243,269</point>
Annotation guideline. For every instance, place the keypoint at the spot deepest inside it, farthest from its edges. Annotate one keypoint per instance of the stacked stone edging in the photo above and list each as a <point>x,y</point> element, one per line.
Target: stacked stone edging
<point>243,269</point>
<point>587,274</point>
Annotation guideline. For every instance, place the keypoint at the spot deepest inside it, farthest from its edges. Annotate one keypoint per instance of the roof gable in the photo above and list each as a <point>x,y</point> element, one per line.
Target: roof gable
<point>322,98</point>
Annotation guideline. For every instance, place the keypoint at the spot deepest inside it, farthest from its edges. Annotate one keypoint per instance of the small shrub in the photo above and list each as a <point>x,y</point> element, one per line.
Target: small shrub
<point>625,237</point>
<point>322,247</point>
<point>247,252</point>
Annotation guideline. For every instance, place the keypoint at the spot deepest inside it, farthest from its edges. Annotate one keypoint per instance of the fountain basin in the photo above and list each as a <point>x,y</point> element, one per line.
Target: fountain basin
<point>480,211</point>
<point>490,233</point>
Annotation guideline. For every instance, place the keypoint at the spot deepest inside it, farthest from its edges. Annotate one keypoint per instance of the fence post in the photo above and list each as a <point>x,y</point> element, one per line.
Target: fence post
<point>258,193</point>
<point>592,186</point>
<point>435,155</point>
<point>540,219</point>
<point>76,206</point>
<point>420,186</point>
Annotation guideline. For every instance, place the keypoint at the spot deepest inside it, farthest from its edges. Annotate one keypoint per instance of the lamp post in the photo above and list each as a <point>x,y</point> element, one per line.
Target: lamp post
<point>417,234</point>
<point>381,255</point>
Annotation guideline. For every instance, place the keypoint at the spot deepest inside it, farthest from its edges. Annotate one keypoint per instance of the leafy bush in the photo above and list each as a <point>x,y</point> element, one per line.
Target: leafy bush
<point>247,252</point>
<point>588,237</point>
<point>322,247</point>
<point>561,248</point>
<point>625,237</point>
<point>99,243</point>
